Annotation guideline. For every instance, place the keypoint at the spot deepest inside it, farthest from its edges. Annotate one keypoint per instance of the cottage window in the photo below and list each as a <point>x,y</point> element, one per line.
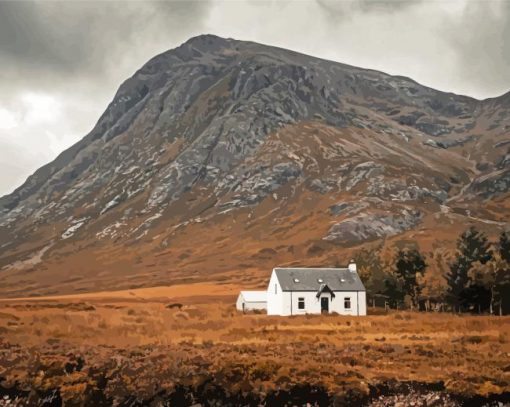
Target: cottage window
<point>301,303</point>
<point>347,302</point>
<point>275,289</point>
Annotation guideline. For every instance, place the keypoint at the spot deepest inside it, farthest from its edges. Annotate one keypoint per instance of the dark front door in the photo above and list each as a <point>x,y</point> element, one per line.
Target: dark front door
<point>324,304</point>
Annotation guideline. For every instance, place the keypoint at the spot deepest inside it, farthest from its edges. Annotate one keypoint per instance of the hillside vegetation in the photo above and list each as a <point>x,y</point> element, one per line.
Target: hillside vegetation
<point>474,278</point>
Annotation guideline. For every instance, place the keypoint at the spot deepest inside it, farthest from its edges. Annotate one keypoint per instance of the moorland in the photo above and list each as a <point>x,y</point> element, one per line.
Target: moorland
<point>185,345</point>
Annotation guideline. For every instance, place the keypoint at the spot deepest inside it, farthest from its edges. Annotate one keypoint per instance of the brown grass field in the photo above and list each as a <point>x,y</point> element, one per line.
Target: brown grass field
<point>121,347</point>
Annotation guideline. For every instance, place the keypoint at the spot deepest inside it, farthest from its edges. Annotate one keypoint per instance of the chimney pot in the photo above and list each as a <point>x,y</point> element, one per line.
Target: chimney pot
<point>352,266</point>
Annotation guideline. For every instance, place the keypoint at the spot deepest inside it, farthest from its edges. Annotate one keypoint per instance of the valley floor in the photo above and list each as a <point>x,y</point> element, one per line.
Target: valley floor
<point>188,344</point>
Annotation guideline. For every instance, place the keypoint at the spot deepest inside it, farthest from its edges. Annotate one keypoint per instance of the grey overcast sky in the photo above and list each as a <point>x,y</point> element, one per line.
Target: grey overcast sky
<point>61,62</point>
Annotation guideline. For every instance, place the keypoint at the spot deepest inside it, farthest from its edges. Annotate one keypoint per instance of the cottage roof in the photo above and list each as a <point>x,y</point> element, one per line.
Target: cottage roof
<point>254,296</point>
<point>311,279</point>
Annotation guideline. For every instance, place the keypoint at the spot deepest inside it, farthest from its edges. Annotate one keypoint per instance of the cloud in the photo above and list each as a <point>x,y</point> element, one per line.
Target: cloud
<point>34,129</point>
<point>8,119</point>
<point>13,172</point>
<point>480,44</point>
<point>40,109</point>
<point>349,8</point>
<point>85,38</point>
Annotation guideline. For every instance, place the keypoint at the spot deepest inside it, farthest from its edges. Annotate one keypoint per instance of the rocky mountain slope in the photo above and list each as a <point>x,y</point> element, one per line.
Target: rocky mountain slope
<point>220,159</point>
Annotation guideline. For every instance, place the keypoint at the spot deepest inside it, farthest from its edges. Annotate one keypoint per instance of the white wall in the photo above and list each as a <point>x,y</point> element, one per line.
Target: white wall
<point>312,303</point>
<point>362,303</point>
<point>356,303</point>
<point>274,299</point>
<point>287,303</point>
<point>249,305</point>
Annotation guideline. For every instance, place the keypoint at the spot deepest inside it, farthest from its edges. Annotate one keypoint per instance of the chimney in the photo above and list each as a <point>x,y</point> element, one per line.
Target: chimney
<point>352,266</point>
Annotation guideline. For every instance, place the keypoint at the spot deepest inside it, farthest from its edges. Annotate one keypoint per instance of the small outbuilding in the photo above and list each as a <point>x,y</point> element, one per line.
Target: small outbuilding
<point>252,300</point>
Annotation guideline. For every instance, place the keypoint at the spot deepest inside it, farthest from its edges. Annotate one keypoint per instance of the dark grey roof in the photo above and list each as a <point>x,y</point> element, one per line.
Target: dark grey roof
<point>310,279</point>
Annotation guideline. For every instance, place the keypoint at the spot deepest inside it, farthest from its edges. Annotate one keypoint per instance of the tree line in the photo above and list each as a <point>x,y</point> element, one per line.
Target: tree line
<point>476,279</point>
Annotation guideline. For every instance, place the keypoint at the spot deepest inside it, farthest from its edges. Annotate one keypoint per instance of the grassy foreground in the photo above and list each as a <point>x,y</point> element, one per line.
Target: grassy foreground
<point>135,345</point>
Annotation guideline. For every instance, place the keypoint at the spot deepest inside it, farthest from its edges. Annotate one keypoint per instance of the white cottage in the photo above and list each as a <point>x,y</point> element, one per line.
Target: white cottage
<point>297,291</point>
<point>251,300</point>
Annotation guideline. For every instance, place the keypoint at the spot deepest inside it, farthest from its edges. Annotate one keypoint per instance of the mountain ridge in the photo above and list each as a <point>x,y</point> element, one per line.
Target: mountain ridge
<point>74,149</point>
<point>222,135</point>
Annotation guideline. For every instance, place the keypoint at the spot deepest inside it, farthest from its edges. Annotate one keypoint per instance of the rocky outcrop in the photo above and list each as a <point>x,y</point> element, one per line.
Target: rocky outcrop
<point>491,185</point>
<point>364,227</point>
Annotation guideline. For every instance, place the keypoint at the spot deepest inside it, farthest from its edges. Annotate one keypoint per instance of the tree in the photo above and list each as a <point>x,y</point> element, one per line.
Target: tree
<point>371,272</point>
<point>409,264</point>
<point>432,290</point>
<point>489,283</point>
<point>504,247</point>
<point>502,285</point>
<point>480,288</point>
<point>393,290</point>
<point>494,277</point>
<point>457,280</point>
<point>433,284</point>
<point>472,246</point>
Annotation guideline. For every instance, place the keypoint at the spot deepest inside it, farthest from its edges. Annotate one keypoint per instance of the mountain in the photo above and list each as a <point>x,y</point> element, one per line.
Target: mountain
<point>220,159</point>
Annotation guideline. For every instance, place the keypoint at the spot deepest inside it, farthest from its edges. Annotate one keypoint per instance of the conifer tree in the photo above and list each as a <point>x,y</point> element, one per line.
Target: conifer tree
<point>504,247</point>
<point>503,274</point>
<point>472,246</point>
<point>371,272</point>
<point>409,264</point>
<point>393,290</point>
